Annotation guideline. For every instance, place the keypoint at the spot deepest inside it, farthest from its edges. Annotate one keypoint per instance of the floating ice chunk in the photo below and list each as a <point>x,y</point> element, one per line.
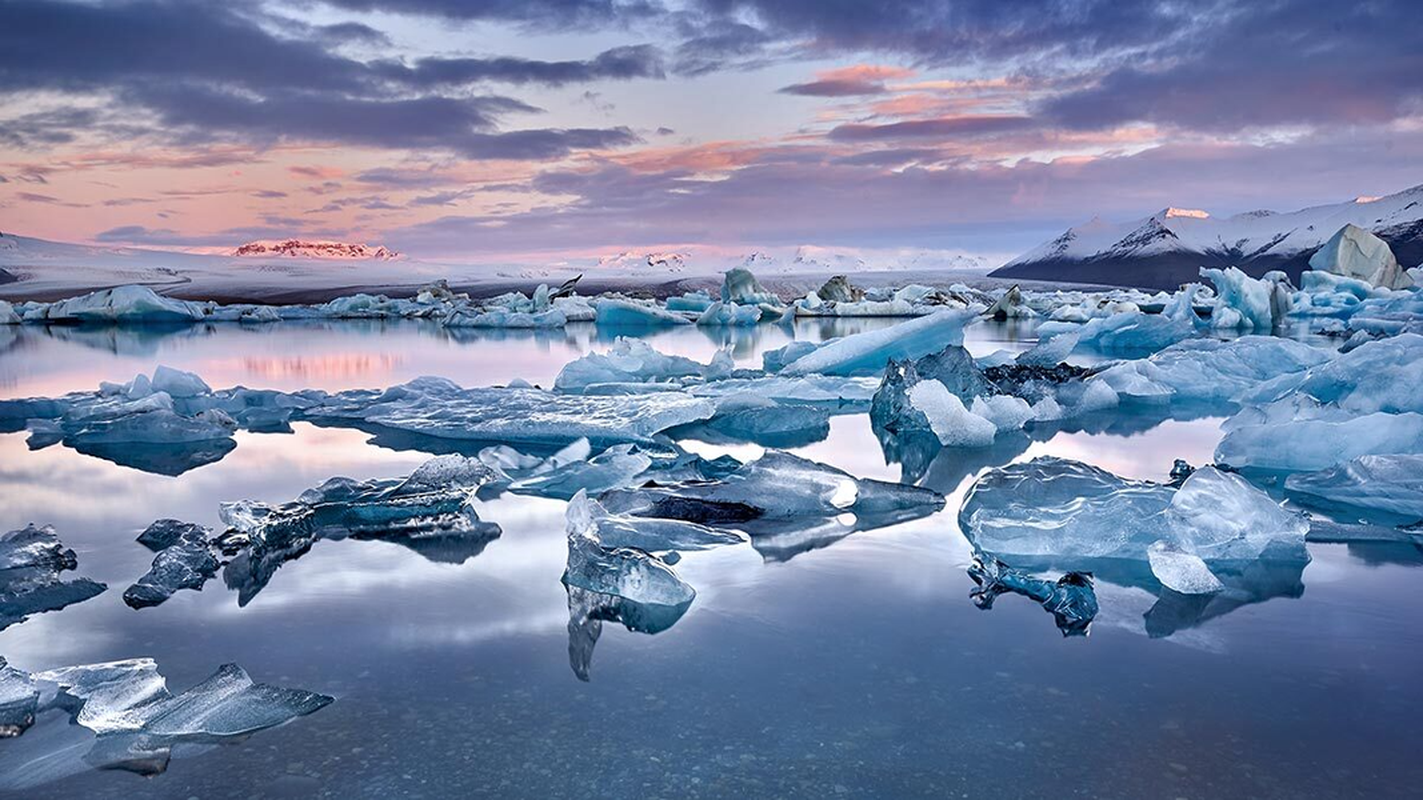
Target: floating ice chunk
<point>721,314</point>
<point>1380,375</point>
<point>831,389</point>
<point>613,468</point>
<point>776,486</point>
<point>869,352</point>
<point>31,560</point>
<point>131,696</point>
<point>740,286</point>
<point>629,361</point>
<point>1315,443</point>
<point>777,359</point>
<point>1070,599</point>
<point>692,301</point>
<point>439,408</point>
<point>504,318</point>
<point>839,290</point>
<point>1056,507</point>
<point>650,534</point>
<point>186,562</point>
<point>625,572</point>
<point>1180,571</point>
<point>1391,484</point>
<point>1357,253</point>
<point>954,424</point>
<point>8,315</point>
<point>1207,370</point>
<point>1010,306</point>
<point>1007,413</point>
<point>178,384</point>
<point>122,304</point>
<point>615,312</point>
<point>1127,333</point>
<point>1242,302</point>
<point>18,700</point>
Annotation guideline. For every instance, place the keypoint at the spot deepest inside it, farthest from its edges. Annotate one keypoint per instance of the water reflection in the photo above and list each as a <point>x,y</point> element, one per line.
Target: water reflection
<point>587,611</point>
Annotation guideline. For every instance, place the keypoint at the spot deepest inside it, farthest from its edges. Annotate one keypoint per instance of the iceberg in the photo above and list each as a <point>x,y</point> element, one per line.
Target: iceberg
<point>629,361</point>
<point>1070,599</point>
<point>616,312</point>
<point>869,352</point>
<point>1387,484</point>
<point>839,290</point>
<point>720,314</point>
<point>625,572</point>
<point>741,287</point>
<point>19,699</point>
<point>614,468</point>
<point>1318,442</point>
<point>1129,333</point>
<point>649,534</point>
<point>1357,253</point>
<point>954,424</point>
<point>1242,302</point>
<point>31,561</point>
<point>691,301</point>
<point>1053,507</point>
<point>1379,375</point>
<point>121,304</point>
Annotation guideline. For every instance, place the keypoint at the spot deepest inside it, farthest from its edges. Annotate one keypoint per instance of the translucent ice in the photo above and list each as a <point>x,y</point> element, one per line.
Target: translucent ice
<point>651,534</point>
<point>31,562</point>
<point>626,572</point>
<point>1056,507</point>
<point>869,352</point>
<point>1315,438</point>
<point>1070,599</point>
<point>777,486</point>
<point>18,700</point>
<point>184,561</point>
<point>1242,302</point>
<point>1180,571</point>
<point>720,314</point>
<point>617,312</point>
<point>954,424</point>
<point>629,361</point>
<point>439,408</point>
<point>1391,484</point>
<point>613,468</point>
<point>1205,370</point>
<point>1129,333</point>
<point>587,611</point>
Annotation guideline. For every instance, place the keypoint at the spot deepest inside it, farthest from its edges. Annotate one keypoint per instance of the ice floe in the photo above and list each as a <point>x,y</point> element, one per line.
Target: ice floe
<point>32,560</point>
<point>1070,599</point>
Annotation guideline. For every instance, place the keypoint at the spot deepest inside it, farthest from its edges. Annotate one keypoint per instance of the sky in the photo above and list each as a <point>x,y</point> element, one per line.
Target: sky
<point>525,129</point>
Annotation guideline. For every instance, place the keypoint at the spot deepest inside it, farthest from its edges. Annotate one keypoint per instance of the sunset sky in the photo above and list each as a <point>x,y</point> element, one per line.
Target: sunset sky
<point>501,128</point>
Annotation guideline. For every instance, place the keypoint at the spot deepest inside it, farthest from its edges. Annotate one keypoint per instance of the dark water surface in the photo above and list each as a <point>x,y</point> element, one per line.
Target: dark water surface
<point>857,669</point>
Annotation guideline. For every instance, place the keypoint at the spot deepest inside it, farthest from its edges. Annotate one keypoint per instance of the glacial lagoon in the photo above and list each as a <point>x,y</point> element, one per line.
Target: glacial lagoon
<point>854,663</point>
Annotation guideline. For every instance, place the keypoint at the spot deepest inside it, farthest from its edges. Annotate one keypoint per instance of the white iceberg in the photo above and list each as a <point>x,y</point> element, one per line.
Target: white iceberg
<point>616,312</point>
<point>1357,253</point>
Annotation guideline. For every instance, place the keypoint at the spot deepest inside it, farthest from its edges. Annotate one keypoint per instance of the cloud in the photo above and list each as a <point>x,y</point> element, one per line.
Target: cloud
<point>619,63</point>
<point>555,14</point>
<point>855,80</point>
<point>941,128</point>
<point>191,73</point>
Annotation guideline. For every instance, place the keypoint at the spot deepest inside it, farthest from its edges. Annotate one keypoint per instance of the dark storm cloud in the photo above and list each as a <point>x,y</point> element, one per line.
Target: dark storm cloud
<point>557,14</point>
<point>207,72</point>
<point>619,63</point>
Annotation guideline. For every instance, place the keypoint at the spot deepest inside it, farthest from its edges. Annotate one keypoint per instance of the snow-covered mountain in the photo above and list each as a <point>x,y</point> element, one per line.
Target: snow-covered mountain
<point>635,261</point>
<point>298,248</point>
<point>1170,246</point>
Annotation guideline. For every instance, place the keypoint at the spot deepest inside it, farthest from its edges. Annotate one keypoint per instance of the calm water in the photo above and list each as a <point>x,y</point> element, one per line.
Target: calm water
<point>858,669</point>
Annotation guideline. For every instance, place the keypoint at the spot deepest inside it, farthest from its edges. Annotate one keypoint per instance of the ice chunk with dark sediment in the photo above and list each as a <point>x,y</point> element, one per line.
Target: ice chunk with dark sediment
<point>869,352</point>
<point>740,286</point>
<point>438,408</point>
<point>613,468</point>
<point>185,560</point>
<point>1070,599</point>
<point>19,698</point>
<point>1053,507</point>
<point>31,562</point>
<point>587,611</point>
<point>774,488</point>
<point>626,572</point>
<point>651,534</point>
<point>1385,484</point>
